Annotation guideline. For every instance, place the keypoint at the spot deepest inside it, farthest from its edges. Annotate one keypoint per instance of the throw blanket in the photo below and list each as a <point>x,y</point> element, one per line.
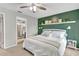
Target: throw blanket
<point>42,46</point>
<point>50,41</point>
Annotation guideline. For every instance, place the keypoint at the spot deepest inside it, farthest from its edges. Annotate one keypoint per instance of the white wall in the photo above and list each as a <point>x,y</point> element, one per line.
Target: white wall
<point>32,26</point>
<point>10,26</point>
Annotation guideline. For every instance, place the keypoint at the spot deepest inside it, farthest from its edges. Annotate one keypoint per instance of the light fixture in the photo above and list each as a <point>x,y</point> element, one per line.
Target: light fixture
<point>33,8</point>
<point>69,27</point>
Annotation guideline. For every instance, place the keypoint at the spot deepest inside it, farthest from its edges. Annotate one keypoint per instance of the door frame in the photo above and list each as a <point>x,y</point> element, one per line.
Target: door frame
<point>16,26</point>
<point>4,39</point>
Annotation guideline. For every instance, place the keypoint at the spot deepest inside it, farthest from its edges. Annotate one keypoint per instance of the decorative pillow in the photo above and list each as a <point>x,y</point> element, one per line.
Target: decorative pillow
<point>58,34</point>
<point>46,33</point>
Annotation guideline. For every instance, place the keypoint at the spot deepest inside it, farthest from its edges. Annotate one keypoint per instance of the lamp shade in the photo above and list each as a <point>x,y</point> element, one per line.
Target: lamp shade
<point>69,27</point>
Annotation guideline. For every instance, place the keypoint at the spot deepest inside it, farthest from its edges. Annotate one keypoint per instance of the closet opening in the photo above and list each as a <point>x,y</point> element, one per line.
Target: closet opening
<point>20,29</point>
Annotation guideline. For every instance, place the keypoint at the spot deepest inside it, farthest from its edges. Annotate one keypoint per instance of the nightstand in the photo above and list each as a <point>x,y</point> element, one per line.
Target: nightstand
<point>72,44</point>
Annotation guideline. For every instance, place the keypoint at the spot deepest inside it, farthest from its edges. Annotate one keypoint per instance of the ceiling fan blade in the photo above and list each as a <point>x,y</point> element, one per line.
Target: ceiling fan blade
<point>24,6</point>
<point>20,11</point>
<point>42,8</point>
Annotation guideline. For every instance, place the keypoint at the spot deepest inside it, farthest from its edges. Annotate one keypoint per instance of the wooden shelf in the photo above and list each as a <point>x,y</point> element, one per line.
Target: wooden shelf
<point>60,23</point>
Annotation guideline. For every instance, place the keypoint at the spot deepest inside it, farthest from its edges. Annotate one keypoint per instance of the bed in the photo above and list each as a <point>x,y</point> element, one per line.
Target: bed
<point>47,44</point>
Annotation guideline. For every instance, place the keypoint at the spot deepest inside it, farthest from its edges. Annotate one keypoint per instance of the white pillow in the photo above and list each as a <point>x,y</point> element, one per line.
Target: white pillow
<point>46,33</point>
<point>58,34</point>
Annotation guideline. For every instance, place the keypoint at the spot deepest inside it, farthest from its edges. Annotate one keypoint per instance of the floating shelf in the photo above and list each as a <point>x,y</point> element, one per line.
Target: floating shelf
<point>60,23</point>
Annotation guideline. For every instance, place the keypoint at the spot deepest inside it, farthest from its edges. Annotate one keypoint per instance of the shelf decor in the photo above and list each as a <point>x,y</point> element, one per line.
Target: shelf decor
<point>60,23</point>
<point>59,20</point>
<point>72,44</point>
<point>54,19</point>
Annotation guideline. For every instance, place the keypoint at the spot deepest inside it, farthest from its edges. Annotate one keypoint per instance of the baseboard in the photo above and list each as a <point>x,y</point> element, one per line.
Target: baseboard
<point>78,49</point>
<point>10,46</point>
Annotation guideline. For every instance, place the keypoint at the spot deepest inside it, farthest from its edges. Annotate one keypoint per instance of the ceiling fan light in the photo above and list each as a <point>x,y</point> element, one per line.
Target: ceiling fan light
<point>34,8</point>
<point>31,8</point>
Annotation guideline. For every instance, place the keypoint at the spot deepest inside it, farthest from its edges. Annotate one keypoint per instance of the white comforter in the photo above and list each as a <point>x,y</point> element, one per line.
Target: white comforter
<point>43,46</point>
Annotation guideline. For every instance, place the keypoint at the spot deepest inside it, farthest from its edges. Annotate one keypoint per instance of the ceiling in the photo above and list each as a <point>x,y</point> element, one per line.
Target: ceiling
<point>52,8</point>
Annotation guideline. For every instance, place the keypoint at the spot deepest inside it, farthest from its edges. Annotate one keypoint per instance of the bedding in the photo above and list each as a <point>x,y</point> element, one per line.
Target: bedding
<point>51,41</point>
<point>44,46</point>
<point>58,34</point>
<point>39,48</point>
<point>46,33</point>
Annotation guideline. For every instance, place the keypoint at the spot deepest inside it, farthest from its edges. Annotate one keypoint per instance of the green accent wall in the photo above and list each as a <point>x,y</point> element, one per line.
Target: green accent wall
<point>73,33</point>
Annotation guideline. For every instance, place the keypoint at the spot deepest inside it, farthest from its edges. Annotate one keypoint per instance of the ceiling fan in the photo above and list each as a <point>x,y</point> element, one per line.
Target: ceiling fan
<point>33,7</point>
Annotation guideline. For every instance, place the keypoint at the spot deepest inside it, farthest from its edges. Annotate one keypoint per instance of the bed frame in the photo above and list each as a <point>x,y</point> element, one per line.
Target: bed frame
<point>29,51</point>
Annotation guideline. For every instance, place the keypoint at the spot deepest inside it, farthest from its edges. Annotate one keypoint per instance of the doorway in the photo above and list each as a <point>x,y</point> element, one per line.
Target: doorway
<point>20,29</point>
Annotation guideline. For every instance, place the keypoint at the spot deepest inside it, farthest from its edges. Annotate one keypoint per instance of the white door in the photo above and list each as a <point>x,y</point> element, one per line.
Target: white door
<point>1,31</point>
